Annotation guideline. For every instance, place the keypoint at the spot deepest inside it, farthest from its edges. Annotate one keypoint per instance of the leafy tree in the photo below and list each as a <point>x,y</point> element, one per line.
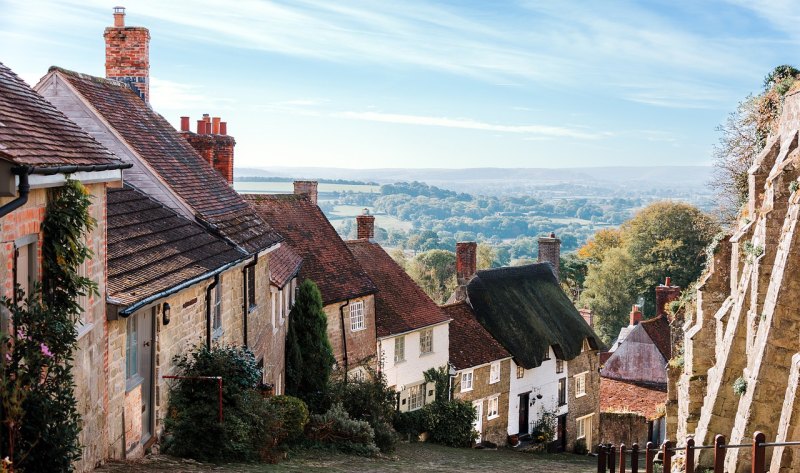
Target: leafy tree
<point>309,356</point>
<point>486,256</point>
<point>573,275</point>
<point>434,271</point>
<point>602,241</point>
<point>610,292</point>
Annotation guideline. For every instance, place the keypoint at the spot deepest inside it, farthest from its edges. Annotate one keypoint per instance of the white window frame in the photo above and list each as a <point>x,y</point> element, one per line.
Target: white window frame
<point>132,377</point>
<point>416,397</point>
<point>467,380</point>
<point>581,425</point>
<point>426,342</point>
<point>494,373</point>
<point>580,384</point>
<point>400,349</point>
<point>357,319</point>
<point>273,302</point>
<point>559,365</point>
<point>216,310</point>
<point>493,408</point>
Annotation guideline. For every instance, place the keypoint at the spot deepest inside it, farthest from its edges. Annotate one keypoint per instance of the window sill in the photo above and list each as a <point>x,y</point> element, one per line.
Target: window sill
<point>426,353</point>
<point>580,437</point>
<point>84,329</point>
<point>579,395</point>
<point>252,308</point>
<point>466,390</point>
<point>493,417</point>
<point>132,383</point>
<point>217,333</point>
<point>357,329</point>
<point>494,382</point>
<point>399,362</point>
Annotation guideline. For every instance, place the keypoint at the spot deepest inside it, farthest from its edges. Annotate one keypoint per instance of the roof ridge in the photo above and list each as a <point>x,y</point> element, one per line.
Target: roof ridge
<point>84,76</point>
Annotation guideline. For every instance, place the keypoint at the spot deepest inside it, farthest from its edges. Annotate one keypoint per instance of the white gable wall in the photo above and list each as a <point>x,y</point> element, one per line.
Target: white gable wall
<point>540,380</point>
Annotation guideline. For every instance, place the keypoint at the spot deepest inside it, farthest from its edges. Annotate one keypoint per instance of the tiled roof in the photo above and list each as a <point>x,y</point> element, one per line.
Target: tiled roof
<point>33,132</point>
<point>470,343</point>
<point>619,396</point>
<point>284,263</point>
<point>658,330</point>
<point>152,249</point>
<point>400,304</point>
<point>525,309</point>
<point>326,259</point>
<point>175,161</point>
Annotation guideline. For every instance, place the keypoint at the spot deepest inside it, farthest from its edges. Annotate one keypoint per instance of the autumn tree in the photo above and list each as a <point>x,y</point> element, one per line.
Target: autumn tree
<point>435,272</point>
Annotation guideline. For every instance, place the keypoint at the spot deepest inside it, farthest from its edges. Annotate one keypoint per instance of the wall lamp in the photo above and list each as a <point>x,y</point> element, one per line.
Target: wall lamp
<point>165,313</point>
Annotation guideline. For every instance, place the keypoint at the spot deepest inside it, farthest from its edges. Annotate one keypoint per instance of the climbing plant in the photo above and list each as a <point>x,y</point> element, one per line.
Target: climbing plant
<point>40,417</point>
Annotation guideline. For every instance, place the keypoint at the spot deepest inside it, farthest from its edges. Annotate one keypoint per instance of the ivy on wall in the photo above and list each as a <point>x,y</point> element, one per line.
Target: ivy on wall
<point>40,418</point>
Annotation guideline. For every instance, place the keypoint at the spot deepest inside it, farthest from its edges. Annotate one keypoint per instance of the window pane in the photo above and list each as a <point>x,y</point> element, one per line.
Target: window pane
<point>132,347</point>
<point>357,316</point>
<point>399,349</point>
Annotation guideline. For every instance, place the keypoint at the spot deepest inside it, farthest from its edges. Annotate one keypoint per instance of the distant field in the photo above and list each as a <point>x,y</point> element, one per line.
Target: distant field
<point>345,212</point>
<point>288,187</point>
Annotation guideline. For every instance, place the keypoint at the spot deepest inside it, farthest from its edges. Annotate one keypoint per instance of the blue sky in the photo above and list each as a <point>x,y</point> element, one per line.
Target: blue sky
<point>455,84</point>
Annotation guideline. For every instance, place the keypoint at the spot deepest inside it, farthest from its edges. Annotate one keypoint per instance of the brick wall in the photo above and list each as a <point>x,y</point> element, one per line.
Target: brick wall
<point>494,430</point>
<point>466,261</point>
<point>128,57</point>
<point>550,252</point>
<point>362,344</point>
<point>589,404</point>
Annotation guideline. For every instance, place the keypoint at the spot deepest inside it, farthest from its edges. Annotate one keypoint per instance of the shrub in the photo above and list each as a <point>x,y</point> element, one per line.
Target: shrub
<point>370,400</point>
<point>450,423</point>
<point>580,447</point>
<point>740,386</point>
<point>410,424</point>
<point>293,414</point>
<point>251,424</point>
<point>544,429</point>
<point>336,429</point>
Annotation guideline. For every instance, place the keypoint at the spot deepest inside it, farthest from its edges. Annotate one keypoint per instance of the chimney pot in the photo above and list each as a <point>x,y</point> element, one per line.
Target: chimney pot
<point>119,17</point>
<point>201,127</point>
<point>206,118</point>
<point>636,315</point>
<point>215,125</point>
<point>466,261</point>
<point>308,188</point>
<point>184,123</point>
<point>223,128</point>
<point>668,281</point>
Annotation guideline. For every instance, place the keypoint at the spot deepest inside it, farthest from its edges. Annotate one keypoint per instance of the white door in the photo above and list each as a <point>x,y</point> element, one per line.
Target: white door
<point>479,421</point>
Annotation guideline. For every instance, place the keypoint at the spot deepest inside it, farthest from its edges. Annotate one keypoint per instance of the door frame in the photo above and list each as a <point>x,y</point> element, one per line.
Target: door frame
<point>148,436</point>
<point>524,407</point>
<point>478,425</point>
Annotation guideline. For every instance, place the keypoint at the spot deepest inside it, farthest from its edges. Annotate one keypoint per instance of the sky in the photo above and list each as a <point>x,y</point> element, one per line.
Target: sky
<point>422,84</point>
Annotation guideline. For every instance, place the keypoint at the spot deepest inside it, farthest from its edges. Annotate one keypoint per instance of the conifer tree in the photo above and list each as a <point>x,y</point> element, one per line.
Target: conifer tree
<point>309,356</point>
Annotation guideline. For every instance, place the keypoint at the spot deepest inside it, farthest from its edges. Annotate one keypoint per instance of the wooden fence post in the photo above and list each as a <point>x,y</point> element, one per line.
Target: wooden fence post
<point>635,458</point>
<point>759,455</point>
<point>666,451</point>
<point>622,458</point>
<point>649,456</point>
<point>690,455</point>
<point>719,454</point>
<point>611,458</point>
<point>601,458</point>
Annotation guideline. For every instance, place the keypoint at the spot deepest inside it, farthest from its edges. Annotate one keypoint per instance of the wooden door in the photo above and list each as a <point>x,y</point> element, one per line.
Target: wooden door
<point>524,399</point>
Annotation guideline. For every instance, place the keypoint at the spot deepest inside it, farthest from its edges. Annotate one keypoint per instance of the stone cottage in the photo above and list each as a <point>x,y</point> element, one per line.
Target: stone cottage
<point>165,298</point>
<point>411,330</point>
<point>483,372</point>
<point>525,309</point>
<point>348,294</point>
<point>39,148</point>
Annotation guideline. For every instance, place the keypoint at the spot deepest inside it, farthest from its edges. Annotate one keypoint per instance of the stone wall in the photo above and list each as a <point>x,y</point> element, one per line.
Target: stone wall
<point>747,329</point>
<point>494,429</point>
<point>587,405</point>
<point>362,344</point>
<point>627,428</point>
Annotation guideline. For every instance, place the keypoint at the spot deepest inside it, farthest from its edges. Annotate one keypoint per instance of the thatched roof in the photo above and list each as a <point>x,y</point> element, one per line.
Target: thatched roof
<point>525,309</point>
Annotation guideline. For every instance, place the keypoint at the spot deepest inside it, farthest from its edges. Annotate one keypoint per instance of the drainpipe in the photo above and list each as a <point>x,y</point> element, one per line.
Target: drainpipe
<point>208,310</point>
<point>23,189</point>
<point>344,337</point>
<point>245,307</point>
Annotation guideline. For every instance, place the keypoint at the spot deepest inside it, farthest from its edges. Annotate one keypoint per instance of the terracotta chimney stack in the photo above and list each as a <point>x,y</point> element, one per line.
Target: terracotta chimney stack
<point>215,125</point>
<point>636,315</point>
<point>550,252</point>
<point>666,293</point>
<point>184,123</point>
<point>308,188</point>
<point>128,54</point>
<point>223,128</point>
<point>466,261</point>
<point>119,17</point>
<point>366,225</point>
<point>201,127</point>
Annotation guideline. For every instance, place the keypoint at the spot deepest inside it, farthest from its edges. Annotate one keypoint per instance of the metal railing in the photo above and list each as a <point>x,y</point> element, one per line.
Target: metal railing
<point>608,454</point>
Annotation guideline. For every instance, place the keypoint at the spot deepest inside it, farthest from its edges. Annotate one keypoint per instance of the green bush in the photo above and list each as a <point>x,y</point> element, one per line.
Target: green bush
<point>450,423</point>
<point>293,414</point>
<point>370,400</point>
<point>251,424</point>
<point>335,428</point>
<point>410,424</point>
<point>580,447</point>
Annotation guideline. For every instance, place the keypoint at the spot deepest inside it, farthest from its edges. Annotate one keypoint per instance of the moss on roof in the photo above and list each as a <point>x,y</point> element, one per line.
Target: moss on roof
<point>525,309</point>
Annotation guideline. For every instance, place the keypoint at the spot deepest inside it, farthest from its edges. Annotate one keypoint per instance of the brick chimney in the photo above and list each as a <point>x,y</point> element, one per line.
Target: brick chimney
<point>366,226</point>
<point>308,188</point>
<point>636,315</point>
<point>128,54</point>
<point>212,143</point>
<point>666,293</point>
<point>466,261</point>
<point>550,252</point>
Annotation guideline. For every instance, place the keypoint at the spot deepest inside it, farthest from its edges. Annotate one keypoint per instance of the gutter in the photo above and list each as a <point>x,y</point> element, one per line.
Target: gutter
<point>245,307</point>
<point>344,338</point>
<point>24,189</point>
<point>73,168</point>
<point>168,292</point>
<point>208,309</point>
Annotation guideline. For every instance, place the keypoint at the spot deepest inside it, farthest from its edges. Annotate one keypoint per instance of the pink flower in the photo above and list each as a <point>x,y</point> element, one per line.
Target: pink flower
<point>46,351</point>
